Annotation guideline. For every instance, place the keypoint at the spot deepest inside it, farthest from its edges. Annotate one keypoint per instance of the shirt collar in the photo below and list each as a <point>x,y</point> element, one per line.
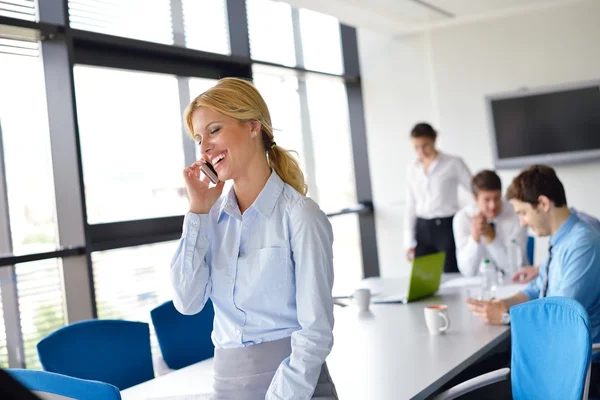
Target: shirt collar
<point>564,229</point>
<point>264,203</point>
<point>435,162</point>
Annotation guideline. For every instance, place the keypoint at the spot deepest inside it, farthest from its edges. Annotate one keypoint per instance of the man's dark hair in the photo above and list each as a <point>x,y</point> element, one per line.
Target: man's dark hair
<point>486,180</point>
<point>536,181</point>
<point>423,129</point>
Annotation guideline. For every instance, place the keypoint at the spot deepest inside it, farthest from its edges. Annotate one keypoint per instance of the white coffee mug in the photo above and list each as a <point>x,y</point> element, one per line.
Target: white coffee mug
<point>362,299</point>
<point>436,318</point>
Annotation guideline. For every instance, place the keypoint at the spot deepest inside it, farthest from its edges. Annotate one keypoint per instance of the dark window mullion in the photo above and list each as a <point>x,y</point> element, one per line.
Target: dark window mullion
<point>359,151</point>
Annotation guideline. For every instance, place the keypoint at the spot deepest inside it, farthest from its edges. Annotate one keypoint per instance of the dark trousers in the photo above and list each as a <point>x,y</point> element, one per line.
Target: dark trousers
<point>595,381</point>
<point>435,235</point>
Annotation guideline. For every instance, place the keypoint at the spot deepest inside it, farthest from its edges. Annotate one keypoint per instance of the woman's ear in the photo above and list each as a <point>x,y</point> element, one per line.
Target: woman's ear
<point>255,128</point>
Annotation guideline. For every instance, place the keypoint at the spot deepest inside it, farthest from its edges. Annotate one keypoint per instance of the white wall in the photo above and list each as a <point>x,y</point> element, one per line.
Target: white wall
<point>444,75</point>
<point>396,92</point>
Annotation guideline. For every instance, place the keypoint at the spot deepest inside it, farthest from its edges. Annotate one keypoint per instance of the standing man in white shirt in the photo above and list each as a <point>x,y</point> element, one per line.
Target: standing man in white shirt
<point>487,228</point>
<point>432,198</point>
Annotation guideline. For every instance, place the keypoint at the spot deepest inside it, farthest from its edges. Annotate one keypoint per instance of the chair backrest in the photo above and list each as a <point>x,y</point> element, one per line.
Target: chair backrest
<point>48,385</point>
<point>113,351</point>
<point>551,349</point>
<point>530,249</point>
<point>183,339</point>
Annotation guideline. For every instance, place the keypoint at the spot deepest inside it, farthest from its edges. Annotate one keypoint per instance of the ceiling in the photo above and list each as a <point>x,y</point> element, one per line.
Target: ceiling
<point>407,16</point>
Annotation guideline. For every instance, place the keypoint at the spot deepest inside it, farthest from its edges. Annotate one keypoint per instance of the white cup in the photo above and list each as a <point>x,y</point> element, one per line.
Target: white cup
<point>436,318</point>
<point>362,299</point>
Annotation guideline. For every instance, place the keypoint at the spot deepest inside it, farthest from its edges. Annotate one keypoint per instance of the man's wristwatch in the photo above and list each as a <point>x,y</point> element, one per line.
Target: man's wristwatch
<point>506,318</point>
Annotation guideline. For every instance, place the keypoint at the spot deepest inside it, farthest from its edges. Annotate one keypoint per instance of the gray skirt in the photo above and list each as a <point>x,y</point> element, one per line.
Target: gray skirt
<point>246,372</point>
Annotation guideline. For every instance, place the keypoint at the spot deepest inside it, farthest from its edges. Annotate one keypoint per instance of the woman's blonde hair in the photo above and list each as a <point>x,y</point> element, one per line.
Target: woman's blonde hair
<point>239,99</point>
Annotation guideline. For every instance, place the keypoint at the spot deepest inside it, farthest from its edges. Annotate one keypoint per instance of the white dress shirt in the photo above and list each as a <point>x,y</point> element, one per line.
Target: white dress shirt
<point>433,194</point>
<point>269,273</point>
<point>469,253</point>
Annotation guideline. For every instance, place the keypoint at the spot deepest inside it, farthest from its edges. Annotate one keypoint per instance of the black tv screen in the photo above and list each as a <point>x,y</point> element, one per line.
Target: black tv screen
<point>560,125</point>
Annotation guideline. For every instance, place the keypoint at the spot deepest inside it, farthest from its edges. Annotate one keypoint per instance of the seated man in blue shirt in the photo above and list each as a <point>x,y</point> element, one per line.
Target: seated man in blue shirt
<point>527,274</point>
<point>573,265</point>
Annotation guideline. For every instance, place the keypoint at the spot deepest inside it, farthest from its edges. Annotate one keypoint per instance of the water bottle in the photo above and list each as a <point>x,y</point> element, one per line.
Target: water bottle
<point>515,257</point>
<point>489,279</point>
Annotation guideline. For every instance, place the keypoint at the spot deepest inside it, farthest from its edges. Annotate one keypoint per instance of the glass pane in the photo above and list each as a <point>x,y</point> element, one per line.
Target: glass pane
<point>19,47</point>
<point>21,9</point>
<point>321,43</point>
<point>330,126</point>
<point>3,345</point>
<point>130,282</point>
<point>279,88</point>
<point>26,139</point>
<point>199,86</point>
<point>131,144</point>
<point>271,31</point>
<point>206,25</point>
<point>41,304</point>
<point>135,19</point>
<point>347,254</point>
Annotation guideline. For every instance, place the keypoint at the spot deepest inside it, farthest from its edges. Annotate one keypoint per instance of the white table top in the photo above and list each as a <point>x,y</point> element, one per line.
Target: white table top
<point>386,353</point>
<point>195,379</point>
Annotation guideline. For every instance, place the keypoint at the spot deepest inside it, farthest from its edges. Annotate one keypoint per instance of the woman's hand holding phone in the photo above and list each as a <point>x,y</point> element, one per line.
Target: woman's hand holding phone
<point>201,196</point>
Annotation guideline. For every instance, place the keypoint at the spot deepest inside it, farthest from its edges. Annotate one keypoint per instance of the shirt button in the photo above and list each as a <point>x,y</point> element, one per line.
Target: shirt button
<point>237,331</point>
<point>195,223</point>
<point>231,281</point>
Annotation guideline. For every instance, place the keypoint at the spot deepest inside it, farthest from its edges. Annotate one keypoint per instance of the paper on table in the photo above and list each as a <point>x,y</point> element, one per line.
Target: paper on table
<point>462,282</point>
<point>204,396</point>
<point>503,291</point>
<point>509,290</point>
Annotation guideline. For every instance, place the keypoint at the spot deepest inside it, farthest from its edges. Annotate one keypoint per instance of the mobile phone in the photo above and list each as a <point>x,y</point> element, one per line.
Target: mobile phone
<point>208,170</point>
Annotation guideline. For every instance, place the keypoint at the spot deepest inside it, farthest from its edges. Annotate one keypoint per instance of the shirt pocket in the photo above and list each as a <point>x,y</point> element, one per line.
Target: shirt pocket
<point>274,264</point>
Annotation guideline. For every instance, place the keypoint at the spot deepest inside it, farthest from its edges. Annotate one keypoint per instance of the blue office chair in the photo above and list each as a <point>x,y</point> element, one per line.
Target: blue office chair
<point>113,351</point>
<point>49,385</point>
<point>183,339</point>
<point>530,248</point>
<point>551,353</point>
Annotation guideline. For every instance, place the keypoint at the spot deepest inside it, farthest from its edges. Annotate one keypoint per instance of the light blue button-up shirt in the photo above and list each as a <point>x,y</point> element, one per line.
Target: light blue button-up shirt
<point>588,219</point>
<point>574,270</point>
<point>269,274</point>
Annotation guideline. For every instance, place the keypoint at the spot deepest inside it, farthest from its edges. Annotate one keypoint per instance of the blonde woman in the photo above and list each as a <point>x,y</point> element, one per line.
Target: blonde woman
<point>261,251</point>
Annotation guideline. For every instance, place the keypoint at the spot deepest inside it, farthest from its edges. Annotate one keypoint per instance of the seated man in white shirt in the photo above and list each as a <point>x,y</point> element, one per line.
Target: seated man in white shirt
<point>486,229</point>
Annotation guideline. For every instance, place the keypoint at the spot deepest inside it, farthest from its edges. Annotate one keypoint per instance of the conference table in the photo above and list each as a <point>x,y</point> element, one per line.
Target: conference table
<point>384,353</point>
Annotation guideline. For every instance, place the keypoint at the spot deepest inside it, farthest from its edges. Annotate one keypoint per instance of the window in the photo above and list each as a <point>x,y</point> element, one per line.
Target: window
<point>347,254</point>
<point>131,144</point>
<point>135,19</point>
<point>130,282</point>
<point>279,88</point>
<point>271,32</point>
<point>321,42</point>
<point>3,345</point>
<point>330,126</point>
<point>26,140</point>
<point>206,25</point>
<point>199,86</point>
<point>334,166</point>
<point>21,9</point>
<point>39,287</point>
